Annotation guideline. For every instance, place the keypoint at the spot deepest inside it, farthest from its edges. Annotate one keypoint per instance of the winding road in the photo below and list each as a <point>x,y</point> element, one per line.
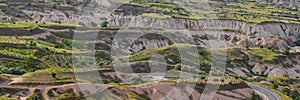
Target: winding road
<point>269,95</point>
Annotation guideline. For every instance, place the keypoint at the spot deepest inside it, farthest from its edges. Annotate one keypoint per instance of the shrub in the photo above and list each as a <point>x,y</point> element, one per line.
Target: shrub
<point>2,46</point>
<point>53,75</point>
<point>104,23</point>
<point>275,86</point>
<point>116,81</point>
<point>58,45</point>
<point>107,58</point>
<point>31,43</point>
<point>235,76</point>
<point>270,48</point>
<point>202,77</point>
<point>247,47</point>
<point>66,42</point>
<point>286,52</point>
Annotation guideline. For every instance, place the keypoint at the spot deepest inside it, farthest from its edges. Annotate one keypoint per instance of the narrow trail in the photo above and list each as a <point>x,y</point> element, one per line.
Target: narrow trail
<point>93,88</point>
<point>31,88</point>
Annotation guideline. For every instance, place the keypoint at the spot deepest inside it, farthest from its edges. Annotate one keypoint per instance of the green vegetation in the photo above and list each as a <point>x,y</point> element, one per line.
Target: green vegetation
<point>6,98</point>
<point>286,52</point>
<point>104,23</point>
<point>278,80</point>
<point>37,95</point>
<point>256,12</point>
<point>265,54</point>
<point>275,86</point>
<point>30,25</point>
<point>62,76</point>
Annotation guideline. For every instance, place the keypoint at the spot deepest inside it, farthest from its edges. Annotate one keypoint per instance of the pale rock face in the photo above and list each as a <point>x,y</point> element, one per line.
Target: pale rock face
<point>266,83</point>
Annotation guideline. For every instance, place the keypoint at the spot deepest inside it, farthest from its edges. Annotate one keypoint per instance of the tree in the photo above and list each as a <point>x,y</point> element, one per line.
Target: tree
<point>247,47</point>
<point>270,48</point>
<point>53,75</point>
<point>104,23</point>
<point>202,77</point>
<point>31,43</point>
<point>275,86</point>
<point>2,46</point>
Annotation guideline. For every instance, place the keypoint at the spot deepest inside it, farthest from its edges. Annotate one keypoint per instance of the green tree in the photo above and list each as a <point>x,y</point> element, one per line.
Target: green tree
<point>202,77</point>
<point>2,46</point>
<point>275,86</point>
<point>32,43</point>
<point>247,47</point>
<point>53,75</point>
<point>104,23</point>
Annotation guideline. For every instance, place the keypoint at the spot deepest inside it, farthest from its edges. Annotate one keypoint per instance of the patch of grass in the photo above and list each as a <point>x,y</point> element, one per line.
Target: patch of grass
<point>233,54</point>
<point>11,39</point>
<point>266,54</point>
<point>155,15</point>
<point>174,71</point>
<point>255,12</point>
<point>63,75</point>
<point>6,98</point>
<point>30,25</point>
<point>278,79</point>
<point>19,53</point>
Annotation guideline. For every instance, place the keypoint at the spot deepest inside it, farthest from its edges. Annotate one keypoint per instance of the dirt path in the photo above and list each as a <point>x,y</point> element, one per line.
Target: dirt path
<point>31,88</point>
<point>91,88</point>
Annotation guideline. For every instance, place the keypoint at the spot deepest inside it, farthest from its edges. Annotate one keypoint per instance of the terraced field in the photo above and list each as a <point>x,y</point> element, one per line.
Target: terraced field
<point>38,55</point>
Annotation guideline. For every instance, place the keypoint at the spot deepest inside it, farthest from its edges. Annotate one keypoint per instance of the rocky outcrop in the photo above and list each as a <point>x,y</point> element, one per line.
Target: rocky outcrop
<point>285,31</point>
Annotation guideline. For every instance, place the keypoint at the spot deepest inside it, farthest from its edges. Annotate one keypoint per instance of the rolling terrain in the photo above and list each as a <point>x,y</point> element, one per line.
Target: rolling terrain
<point>38,43</point>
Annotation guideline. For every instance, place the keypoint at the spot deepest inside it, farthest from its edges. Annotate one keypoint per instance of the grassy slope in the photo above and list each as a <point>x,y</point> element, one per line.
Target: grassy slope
<point>255,12</point>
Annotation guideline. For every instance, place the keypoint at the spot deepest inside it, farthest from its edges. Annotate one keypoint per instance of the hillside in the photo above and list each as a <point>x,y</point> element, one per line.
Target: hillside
<point>47,43</point>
